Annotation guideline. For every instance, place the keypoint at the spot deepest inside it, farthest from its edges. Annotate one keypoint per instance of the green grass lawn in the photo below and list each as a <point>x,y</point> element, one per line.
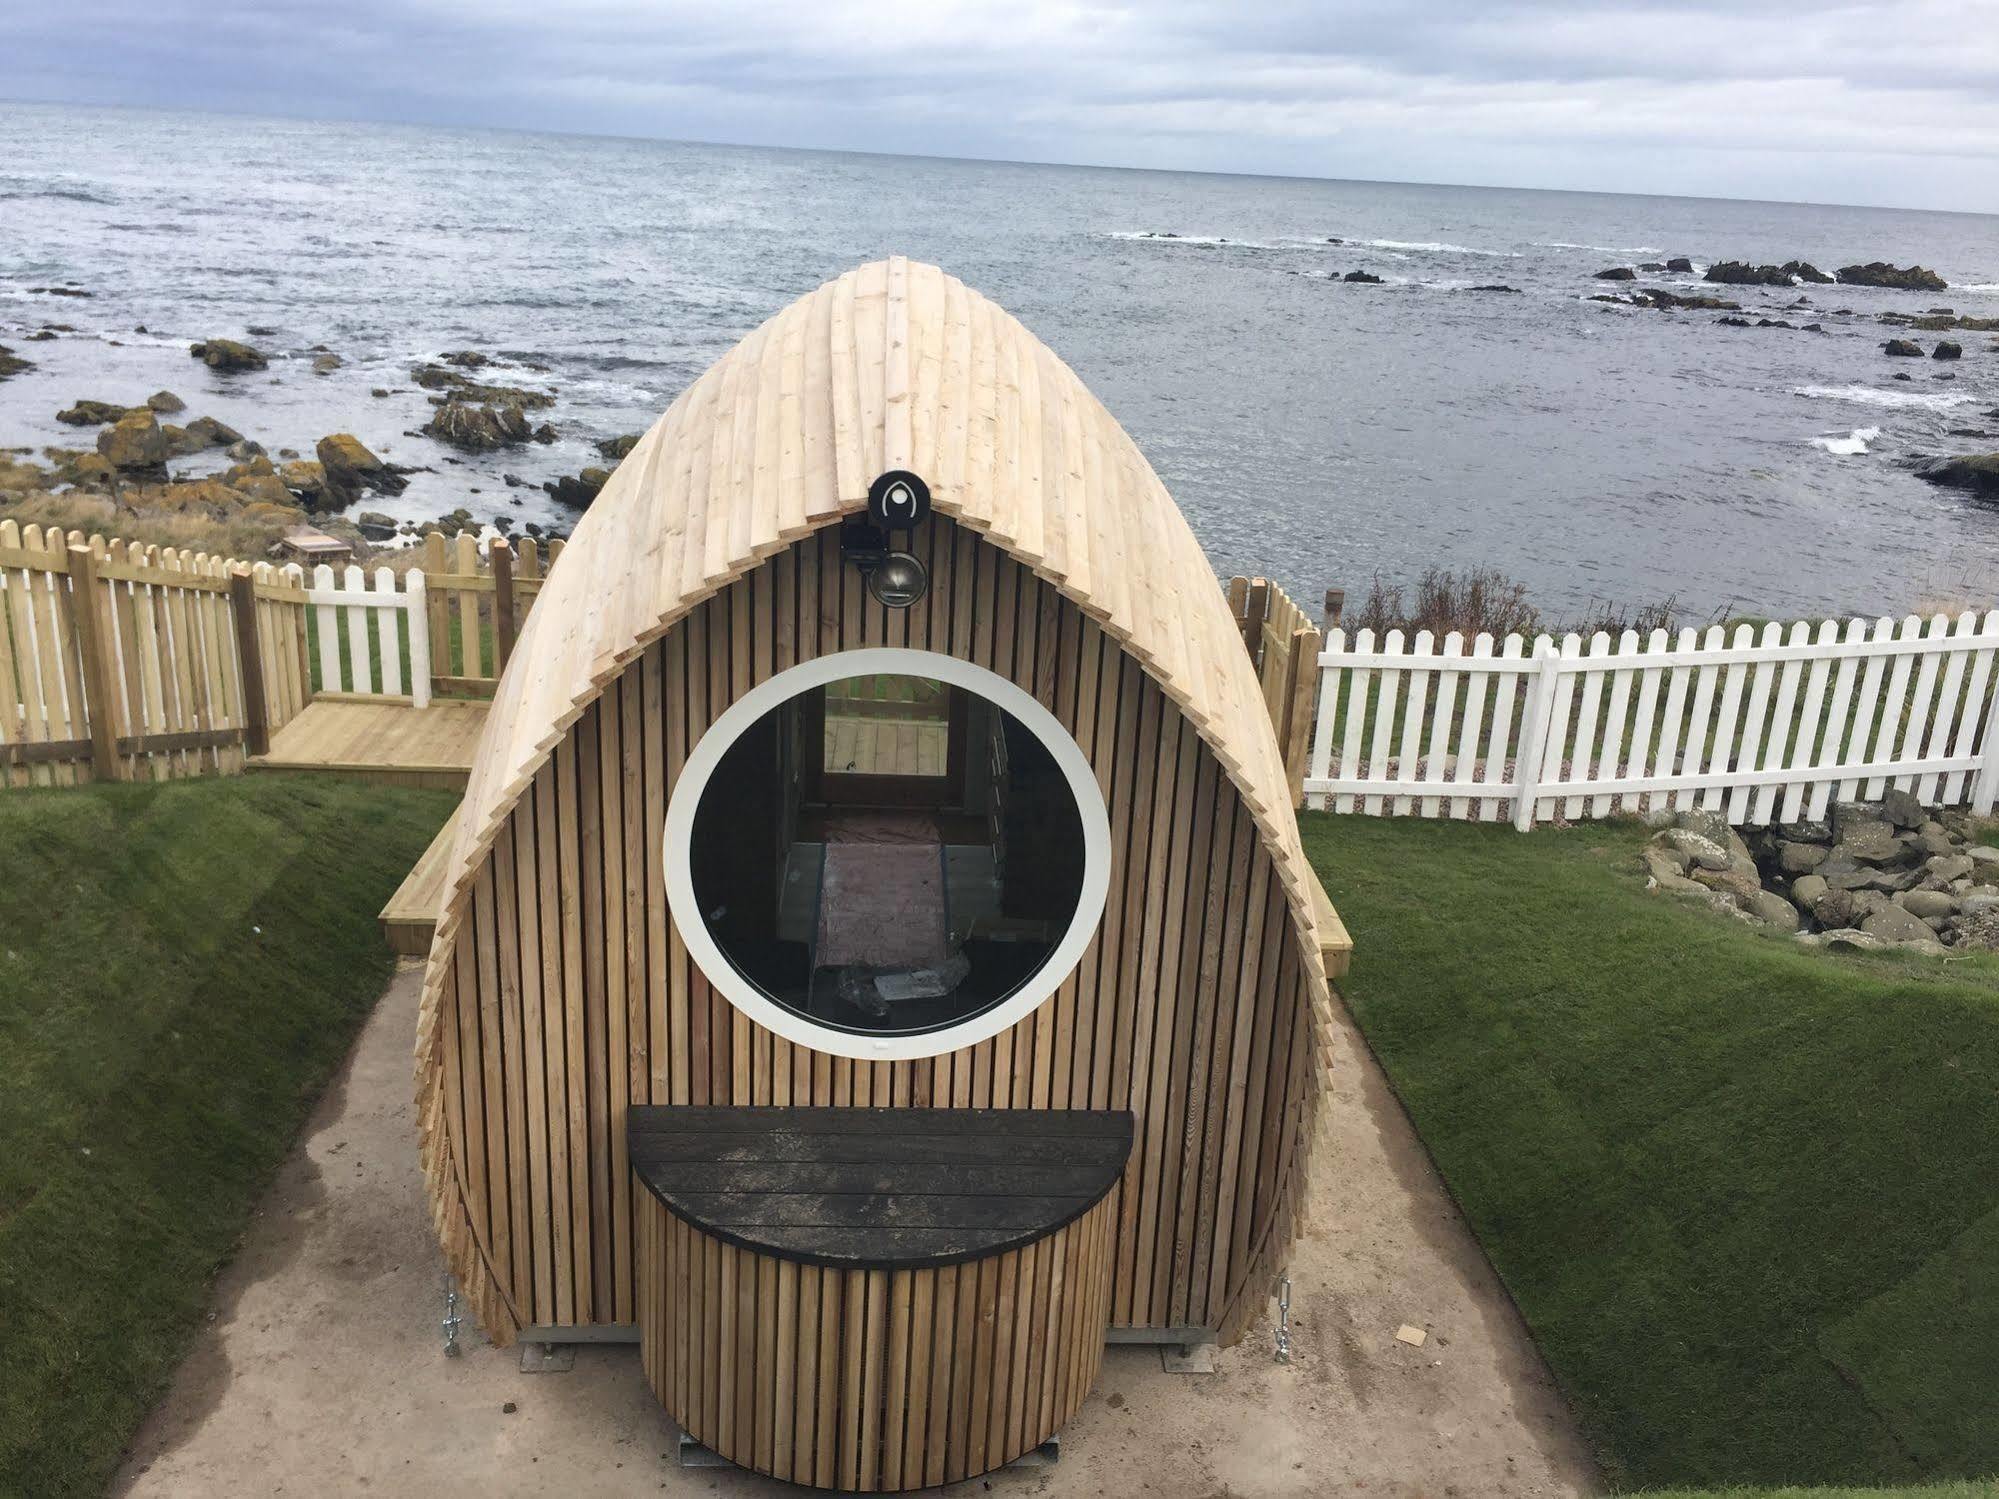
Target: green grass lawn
<point>182,967</point>
<point>1746,1194</point>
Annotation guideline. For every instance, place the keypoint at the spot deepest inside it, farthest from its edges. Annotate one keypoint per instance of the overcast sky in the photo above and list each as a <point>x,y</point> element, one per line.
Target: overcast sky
<point>1877,101</point>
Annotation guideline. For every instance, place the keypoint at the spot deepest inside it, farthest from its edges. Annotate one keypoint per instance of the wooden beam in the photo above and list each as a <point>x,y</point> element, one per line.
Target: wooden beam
<point>90,612</point>
<point>501,557</point>
<point>243,605</point>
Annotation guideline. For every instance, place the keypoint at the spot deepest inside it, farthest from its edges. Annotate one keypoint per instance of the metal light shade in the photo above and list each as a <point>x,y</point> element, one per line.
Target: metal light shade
<point>898,581</point>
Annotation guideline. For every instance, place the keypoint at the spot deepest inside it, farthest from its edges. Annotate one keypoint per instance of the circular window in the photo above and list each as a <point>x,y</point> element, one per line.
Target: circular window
<point>887,854</point>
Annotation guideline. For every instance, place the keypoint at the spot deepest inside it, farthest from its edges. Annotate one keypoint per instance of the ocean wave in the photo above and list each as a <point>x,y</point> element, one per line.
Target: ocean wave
<point>1854,442</point>
<point>1197,241</point>
<point>1984,286</point>
<point>1432,247</point>
<point>1562,244</point>
<point>1867,395</point>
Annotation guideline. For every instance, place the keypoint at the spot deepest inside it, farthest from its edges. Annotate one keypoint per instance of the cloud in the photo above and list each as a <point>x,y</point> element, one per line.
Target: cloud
<point>1891,101</point>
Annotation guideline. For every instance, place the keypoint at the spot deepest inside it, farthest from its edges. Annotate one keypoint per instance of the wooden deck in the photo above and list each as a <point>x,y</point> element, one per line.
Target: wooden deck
<point>381,739</point>
<point>409,920</point>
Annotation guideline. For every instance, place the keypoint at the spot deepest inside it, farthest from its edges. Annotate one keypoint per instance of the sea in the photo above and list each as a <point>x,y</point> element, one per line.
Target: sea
<point>1319,432</point>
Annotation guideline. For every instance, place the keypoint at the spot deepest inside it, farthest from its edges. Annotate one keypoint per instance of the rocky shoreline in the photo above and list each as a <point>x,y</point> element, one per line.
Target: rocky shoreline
<point>145,472</point>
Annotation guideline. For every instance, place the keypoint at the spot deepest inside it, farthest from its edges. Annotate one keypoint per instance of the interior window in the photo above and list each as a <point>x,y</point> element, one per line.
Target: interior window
<point>887,854</point>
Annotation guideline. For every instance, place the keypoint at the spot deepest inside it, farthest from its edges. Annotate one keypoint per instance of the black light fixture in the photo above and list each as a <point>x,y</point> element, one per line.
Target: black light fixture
<point>897,501</point>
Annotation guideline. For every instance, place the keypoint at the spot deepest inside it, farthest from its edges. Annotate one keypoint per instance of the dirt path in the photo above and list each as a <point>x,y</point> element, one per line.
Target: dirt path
<point>321,1372</point>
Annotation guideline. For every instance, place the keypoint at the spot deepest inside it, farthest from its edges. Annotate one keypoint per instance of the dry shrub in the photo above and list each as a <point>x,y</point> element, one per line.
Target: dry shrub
<point>1484,600</point>
<point>245,539</point>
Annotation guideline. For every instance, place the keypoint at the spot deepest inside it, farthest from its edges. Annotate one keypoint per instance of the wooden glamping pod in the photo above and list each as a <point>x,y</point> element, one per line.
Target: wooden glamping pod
<point>877,963</point>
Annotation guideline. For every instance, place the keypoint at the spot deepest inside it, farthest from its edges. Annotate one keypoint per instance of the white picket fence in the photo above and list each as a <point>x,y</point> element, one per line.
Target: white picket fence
<point>344,604</point>
<point>1766,730</point>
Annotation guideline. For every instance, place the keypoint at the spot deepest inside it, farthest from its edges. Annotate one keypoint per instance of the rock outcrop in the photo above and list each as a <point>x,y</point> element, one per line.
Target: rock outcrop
<point>617,448</point>
<point>1902,348</point>
<point>12,364</point>
<point>87,413</point>
<point>578,491</point>
<point>1680,265</point>
<point>1741,273</point>
<point>1976,472</point>
<point>1947,349</point>
<point>1362,277</point>
<point>482,428</point>
<point>1617,273</point>
<point>1880,273</point>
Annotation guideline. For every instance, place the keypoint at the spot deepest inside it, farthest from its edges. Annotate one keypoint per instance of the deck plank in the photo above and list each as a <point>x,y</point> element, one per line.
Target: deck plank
<point>387,740</point>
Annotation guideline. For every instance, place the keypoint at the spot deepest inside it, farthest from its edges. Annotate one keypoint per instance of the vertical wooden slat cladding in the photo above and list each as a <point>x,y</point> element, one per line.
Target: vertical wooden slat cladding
<point>870,1381</point>
<point>573,995</point>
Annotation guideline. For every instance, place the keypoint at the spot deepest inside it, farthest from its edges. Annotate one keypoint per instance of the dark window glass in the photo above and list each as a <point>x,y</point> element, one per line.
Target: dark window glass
<point>887,854</point>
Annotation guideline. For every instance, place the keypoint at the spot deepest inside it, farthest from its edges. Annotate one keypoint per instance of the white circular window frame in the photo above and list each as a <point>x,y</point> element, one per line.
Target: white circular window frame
<point>884,660</point>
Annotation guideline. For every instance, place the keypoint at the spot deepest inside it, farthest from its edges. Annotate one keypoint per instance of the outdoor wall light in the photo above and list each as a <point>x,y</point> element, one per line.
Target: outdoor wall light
<point>899,581</point>
<point>897,501</point>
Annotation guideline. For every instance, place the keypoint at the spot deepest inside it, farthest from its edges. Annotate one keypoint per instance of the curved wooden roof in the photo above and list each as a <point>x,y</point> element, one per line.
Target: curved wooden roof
<point>894,365</point>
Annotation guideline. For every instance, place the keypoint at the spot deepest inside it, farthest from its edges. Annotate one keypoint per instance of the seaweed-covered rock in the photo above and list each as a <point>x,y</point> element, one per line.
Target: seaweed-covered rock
<point>1947,349</point>
<point>88,413</point>
<point>1902,348</point>
<point>351,468</point>
<point>12,363</point>
<point>478,428</point>
<point>1881,273</point>
<point>1976,472</point>
<point>227,355</point>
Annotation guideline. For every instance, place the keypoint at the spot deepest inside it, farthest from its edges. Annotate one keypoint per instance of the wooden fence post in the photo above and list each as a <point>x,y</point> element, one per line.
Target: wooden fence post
<point>1985,790</point>
<point>1257,610</point>
<point>90,614</point>
<point>1336,606</point>
<point>249,653</point>
<point>502,557</point>
<point>1535,722</point>
<point>417,617</point>
<point>1299,694</point>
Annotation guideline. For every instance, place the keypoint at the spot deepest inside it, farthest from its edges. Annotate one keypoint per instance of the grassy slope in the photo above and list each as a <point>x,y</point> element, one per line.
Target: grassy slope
<point>181,969</point>
<point>1746,1195</point>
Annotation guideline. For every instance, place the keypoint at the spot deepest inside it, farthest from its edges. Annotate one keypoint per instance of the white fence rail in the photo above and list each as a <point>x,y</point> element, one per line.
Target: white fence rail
<point>1769,729</point>
<point>344,605</point>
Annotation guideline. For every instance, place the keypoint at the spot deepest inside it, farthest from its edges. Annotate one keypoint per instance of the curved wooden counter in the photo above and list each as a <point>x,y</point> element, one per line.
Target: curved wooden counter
<point>874,1299</point>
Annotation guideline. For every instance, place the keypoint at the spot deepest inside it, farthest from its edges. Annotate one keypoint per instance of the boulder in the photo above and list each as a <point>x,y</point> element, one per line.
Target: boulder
<point>1869,843</point>
<point>1808,831</point>
<point>214,434</point>
<point>1741,273</point>
<point>1667,301</point>
<point>326,364</point>
<point>165,402</point>
<point>1893,924</point>
<point>1800,858</point>
<point>465,359</point>
<point>11,363</point>
<point>243,450</point>
<point>1836,908</point>
<point>1807,890</point>
<point>580,490</point>
<point>1947,349</point>
<point>227,355</point>
<point>1852,938</point>
<point>1930,905</point>
<point>1740,887</point>
<point>477,429</point>
<point>1499,286</point>
<point>351,468</point>
<point>134,441</point>
<point>1362,277</point>
<point>1772,910</point>
<point>1880,273</point>
<point>1983,857</point>
<point>91,414</point>
<point>1701,852</point>
<point>1902,809</point>
<point>1902,348</point>
<point>1950,867</point>
<point>306,479</point>
<point>1976,472</point>
<point>459,387</point>
<point>1804,270</point>
<point>1617,273</point>
<point>376,526</point>
<point>616,448</point>
<point>268,488</point>
<point>1681,265</point>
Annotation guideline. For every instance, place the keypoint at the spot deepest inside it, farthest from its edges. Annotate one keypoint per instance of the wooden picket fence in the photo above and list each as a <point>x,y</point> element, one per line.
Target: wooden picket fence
<point>126,663</point>
<point>1284,646</point>
<point>122,662</point>
<point>1763,729</point>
